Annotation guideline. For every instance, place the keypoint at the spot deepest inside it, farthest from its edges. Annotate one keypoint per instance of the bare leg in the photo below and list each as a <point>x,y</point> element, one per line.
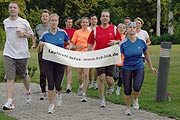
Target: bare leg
<point>101,85</point>
<point>10,89</point>
<point>86,79</point>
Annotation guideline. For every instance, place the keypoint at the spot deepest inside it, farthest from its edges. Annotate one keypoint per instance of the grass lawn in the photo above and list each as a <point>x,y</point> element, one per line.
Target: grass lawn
<point>148,93</point>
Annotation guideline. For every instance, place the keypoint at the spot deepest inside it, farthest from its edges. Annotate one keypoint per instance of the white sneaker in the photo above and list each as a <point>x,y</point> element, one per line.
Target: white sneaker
<point>135,104</point>
<point>8,106</point>
<point>109,90</point>
<point>128,111</point>
<point>51,109</point>
<point>90,85</point>
<point>59,99</point>
<point>95,85</point>
<point>83,98</point>
<point>102,103</point>
<point>68,89</point>
<point>43,96</point>
<point>118,90</point>
<point>80,91</point>
<point>28,97</point>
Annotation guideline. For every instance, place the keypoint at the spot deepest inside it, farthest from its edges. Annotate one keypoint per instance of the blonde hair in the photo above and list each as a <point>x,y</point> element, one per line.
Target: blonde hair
<point>121,24</point>
<point>138,18</point>
<point>54,14</point>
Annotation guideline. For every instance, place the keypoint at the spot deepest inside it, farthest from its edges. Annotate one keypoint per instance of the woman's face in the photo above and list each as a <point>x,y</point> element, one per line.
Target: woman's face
<point>54,22</point>
<point>122,28</point>
<point>85,23</point>
<point>138,23</point>
<point>131,30</point>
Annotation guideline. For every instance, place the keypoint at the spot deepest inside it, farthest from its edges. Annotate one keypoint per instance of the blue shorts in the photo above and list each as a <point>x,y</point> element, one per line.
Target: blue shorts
<point>134,77</point>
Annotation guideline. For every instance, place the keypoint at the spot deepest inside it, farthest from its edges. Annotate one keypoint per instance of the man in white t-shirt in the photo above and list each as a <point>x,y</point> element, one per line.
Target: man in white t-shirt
<point>16,53</point>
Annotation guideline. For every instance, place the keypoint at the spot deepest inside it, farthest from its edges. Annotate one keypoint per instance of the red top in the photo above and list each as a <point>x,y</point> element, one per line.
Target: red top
<point>70,33</point>
<point>103,36</point>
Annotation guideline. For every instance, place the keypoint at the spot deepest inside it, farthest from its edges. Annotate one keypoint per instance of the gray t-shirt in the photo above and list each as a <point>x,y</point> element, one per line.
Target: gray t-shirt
<point>40,29</point>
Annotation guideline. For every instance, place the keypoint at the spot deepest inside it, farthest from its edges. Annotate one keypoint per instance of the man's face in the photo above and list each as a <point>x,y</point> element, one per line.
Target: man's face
<point>69,23</point>
<point>94,20</point>
<point>126,21</point>
<point>13,9</point>
<point>105,17</point>
<point>45,17</point>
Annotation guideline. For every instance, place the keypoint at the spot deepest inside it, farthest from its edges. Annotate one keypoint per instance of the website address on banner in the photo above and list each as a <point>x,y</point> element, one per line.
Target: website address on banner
<point>101,57</point>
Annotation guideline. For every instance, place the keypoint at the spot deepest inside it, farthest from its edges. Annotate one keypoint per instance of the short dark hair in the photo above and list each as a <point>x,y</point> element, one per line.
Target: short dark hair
<point>68,18</point>
<point>105,10</point>
<point>45,11</point>
<point>127,18</point>
<point>92,15</point>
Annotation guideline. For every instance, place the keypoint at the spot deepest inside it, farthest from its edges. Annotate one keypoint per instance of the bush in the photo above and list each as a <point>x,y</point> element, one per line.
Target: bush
<point>2,38</point>
<point>2,72</point>
<point>156,40</point>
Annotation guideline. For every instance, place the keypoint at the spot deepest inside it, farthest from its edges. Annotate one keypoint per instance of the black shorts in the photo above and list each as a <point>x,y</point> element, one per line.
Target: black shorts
<point>107,70</point>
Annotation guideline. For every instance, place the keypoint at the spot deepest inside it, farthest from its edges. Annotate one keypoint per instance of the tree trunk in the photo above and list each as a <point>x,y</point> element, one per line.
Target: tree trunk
<point>170,23</point>
<point>158,18</point>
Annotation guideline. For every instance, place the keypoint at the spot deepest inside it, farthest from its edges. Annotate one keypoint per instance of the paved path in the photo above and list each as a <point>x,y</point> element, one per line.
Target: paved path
<point>71,109</point>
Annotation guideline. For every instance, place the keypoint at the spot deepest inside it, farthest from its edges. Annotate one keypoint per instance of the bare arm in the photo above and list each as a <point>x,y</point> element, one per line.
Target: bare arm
<point>40,46</point>
<point>34,38</point>
<point>148,59</point>
<point>69,46</point>
<point>148,41</point>
<point>89,47</point>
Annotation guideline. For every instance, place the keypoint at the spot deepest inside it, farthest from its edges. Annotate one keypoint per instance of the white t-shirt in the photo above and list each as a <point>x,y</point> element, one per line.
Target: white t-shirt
<point>16,47</point>
<point>143,35</point>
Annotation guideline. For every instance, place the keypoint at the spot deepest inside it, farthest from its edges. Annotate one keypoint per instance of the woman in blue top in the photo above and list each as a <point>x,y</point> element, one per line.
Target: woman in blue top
<point>54,71</point>
<point>133,66</point>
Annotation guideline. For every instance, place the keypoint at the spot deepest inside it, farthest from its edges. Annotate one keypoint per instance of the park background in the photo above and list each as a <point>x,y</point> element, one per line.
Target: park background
<point>119,9</point>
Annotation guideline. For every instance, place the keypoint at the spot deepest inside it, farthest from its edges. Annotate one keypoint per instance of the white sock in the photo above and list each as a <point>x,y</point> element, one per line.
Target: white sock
<point>9,100</point>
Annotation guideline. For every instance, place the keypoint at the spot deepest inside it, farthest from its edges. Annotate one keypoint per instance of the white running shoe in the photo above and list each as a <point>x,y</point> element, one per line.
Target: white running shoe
<point>68,89</point>
<point>109,90</point>
<point>95,85</point>
<point>51,109</point>
<point>90,85</point>
<point>135,104</point>
<point>80,91</point>
<point>83,98</point>
<point>118,90</point>
<point>128,111</point>
<point>43,96</point>
<point>59,99</point>
<point>8,106</point>
<point>28,97</point>
<point>102,103</point>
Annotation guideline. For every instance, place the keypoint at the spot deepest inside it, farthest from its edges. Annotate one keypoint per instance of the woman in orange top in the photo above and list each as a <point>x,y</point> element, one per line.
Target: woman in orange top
<point>122,30</point>
<point>79,41</point>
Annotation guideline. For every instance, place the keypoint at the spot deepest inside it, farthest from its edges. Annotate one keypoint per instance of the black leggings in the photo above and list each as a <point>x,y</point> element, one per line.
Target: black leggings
<point>119,79</point>
<point>54,73</point>
<point>128,76</point>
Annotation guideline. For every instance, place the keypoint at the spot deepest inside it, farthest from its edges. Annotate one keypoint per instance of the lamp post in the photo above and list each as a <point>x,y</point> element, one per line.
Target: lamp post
<point>164,61</point>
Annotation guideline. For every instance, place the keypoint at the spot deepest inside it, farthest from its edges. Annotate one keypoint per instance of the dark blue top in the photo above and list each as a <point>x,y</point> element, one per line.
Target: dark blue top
<point>133,53</point>
<point>58,39</point>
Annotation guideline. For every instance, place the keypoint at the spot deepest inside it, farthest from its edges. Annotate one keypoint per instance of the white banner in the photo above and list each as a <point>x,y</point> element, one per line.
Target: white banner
<point>89,59</point>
